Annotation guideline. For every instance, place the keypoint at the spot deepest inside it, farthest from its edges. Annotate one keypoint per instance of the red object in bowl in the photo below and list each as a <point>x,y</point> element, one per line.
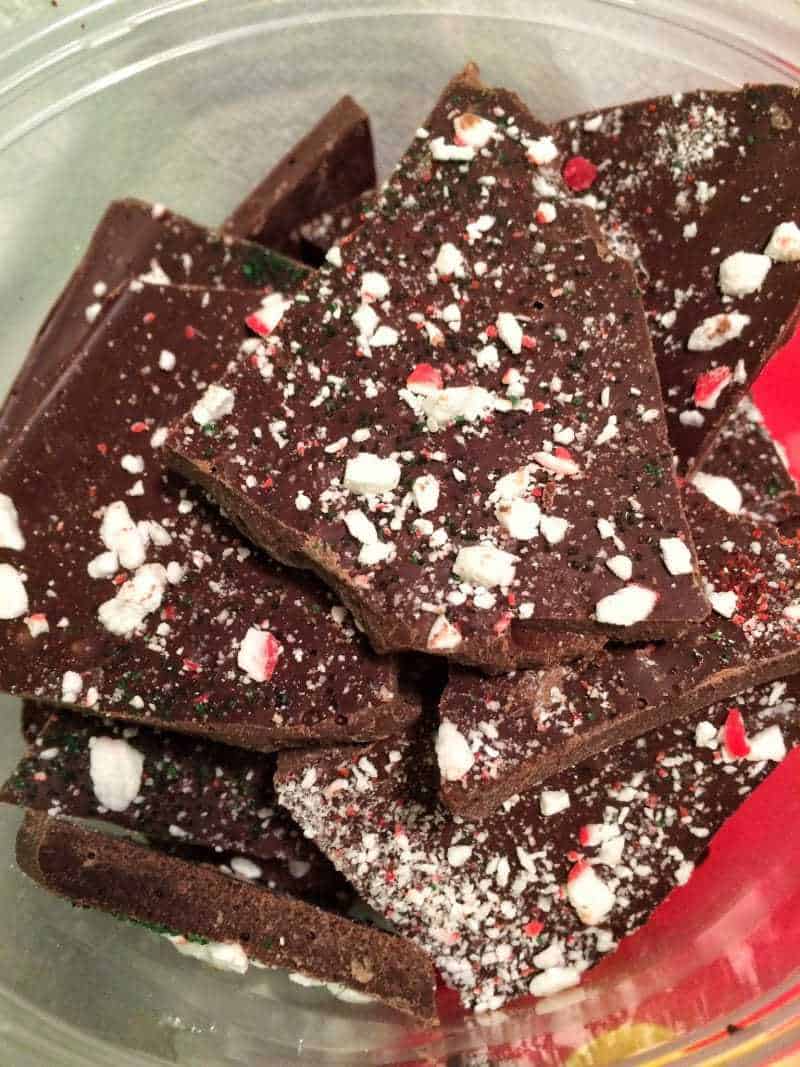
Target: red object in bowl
<point>777,396</point>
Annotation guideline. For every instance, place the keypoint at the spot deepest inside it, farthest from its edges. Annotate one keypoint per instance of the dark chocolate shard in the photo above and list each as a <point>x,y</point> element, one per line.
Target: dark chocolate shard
<point>173,789</point>
<point>125,594</point>
<point>463,391</point>
<point>747,455</point>
<point>132,239</point>
<point>702,191</point>
<point>528,899</point>
<point>501,736</point>
<point>235,922</point>
<point>333,163</point>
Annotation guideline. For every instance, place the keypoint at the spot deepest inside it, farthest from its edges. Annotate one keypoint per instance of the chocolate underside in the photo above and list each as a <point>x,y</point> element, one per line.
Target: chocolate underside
<point>116,875</point>
<point>524,728</point>
<point>485,899</point>
<point>131,239</point>
<point>704,159</point>
<point>179,668</point>
<point>333,163</point>
<point>192,792</point>
<point>580,302</point>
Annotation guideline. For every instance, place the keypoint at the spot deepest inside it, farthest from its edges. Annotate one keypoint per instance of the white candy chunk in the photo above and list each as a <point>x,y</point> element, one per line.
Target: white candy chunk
<point>449,262</point>
<point>473,130</point>
<point>115,768</point>
<point>552,956</point>
<point>622,566</point>
<point>71,687</point>
<point>485,565</point>
<point>743,273</point>
<point>509,331</point>
<point>593,124</point>
<point>724,603</point>
<point>717,330</point>
<point>334,256</point>
<point>457,855</point>
<point>215,403</point>
<point>552,801</point>
<point>377,552</point>
<point>366,321</point>
<point>384,337</point>
<point>627,606</point>
<point>468,402</point>
<point>719,490</point>
<point>374,285</point>
<point>443,152</point>
<point>167,360</point>
<point>519,518</point>
<point>425,491</point>
<point>222,956</point>
<point>452,752</point>
<point>367,474</point>
<point>554,530</point>
<point>554,980</point>
<point>541,151</point>
<point>13,594</point>
<point>556,464</point>
<point>258,653</point>
<point>512,485</point>
<point>135,600</point>
<point>272,310</point>
<point>122,536</point>
<point>132,464</point>
<point>545,211</point>
<point>676,555</point>
<point>37,624</point>
<point>705,735</point>
<point>10,533</point>
<point>784,244</point>
<point>361,527</point>
<point>792,611</point>
<point>156,275</point>
<point>242,867</point>
<point>443,636</point>
<point>589,895</point>
<point>767,744</point>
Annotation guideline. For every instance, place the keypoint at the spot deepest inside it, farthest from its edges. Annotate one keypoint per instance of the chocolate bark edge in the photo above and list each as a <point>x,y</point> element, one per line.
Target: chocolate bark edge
<point>330,166</point>
<point>114,874</point>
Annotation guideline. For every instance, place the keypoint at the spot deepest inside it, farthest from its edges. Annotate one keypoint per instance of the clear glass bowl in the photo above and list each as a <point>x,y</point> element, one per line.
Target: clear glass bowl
<point>188,103</point>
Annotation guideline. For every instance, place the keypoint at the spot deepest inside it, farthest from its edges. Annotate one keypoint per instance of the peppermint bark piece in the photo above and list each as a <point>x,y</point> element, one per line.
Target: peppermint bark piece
<point>456,399</point>
<point>236,922</point>
<point>330,166</point>
<point>530,898</point>
<point>133,239</point>
<point>502,736</point>
<point>171,788</point>
<point>125,594</point>
<point>747,456</point>
<point>702,191</point>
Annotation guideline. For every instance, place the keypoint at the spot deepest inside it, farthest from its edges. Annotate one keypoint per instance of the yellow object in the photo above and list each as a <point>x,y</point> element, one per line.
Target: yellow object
<point>612,1047</point>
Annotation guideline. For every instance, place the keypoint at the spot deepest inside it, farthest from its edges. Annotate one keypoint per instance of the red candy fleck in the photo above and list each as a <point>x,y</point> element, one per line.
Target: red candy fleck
<point>102,448</point>
<point>425,374</point>
<point>734,733</point>
<point>257,325</point>
<point>709,385</point>
<point>189,333</point>
<point>190,666</point>
<point>533,929</point>
<point>577,870</point>
<point>267,484</point>
<point>271,651</point>
<point>491,331</point>
<point>528,342</point>
<point>579,173</point>
<point>584,836</point>
<point>503,623</point>
<point>139,427</point>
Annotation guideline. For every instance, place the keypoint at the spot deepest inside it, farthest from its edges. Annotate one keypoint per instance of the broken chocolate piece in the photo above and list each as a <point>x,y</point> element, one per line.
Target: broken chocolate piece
<point>528,899</point>
<point>701,191</point>
<point>125,594</point>
<point>746,455</point>
<point>512,733</point>
<point>196,902</point>
<point>171,788</point>
<point>463,391</point>
<point>133,239</point>
<point>332,164</point>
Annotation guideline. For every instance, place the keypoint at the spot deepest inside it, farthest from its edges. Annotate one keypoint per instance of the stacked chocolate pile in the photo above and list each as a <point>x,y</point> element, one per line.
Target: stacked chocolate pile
<point>449,571</point>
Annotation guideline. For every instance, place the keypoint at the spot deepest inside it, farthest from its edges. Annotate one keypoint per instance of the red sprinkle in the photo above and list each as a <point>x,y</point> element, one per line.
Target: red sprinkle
<point>189,333</point>
<point>579,173</point>
<point>139,427</point>
<point>533,929</point>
